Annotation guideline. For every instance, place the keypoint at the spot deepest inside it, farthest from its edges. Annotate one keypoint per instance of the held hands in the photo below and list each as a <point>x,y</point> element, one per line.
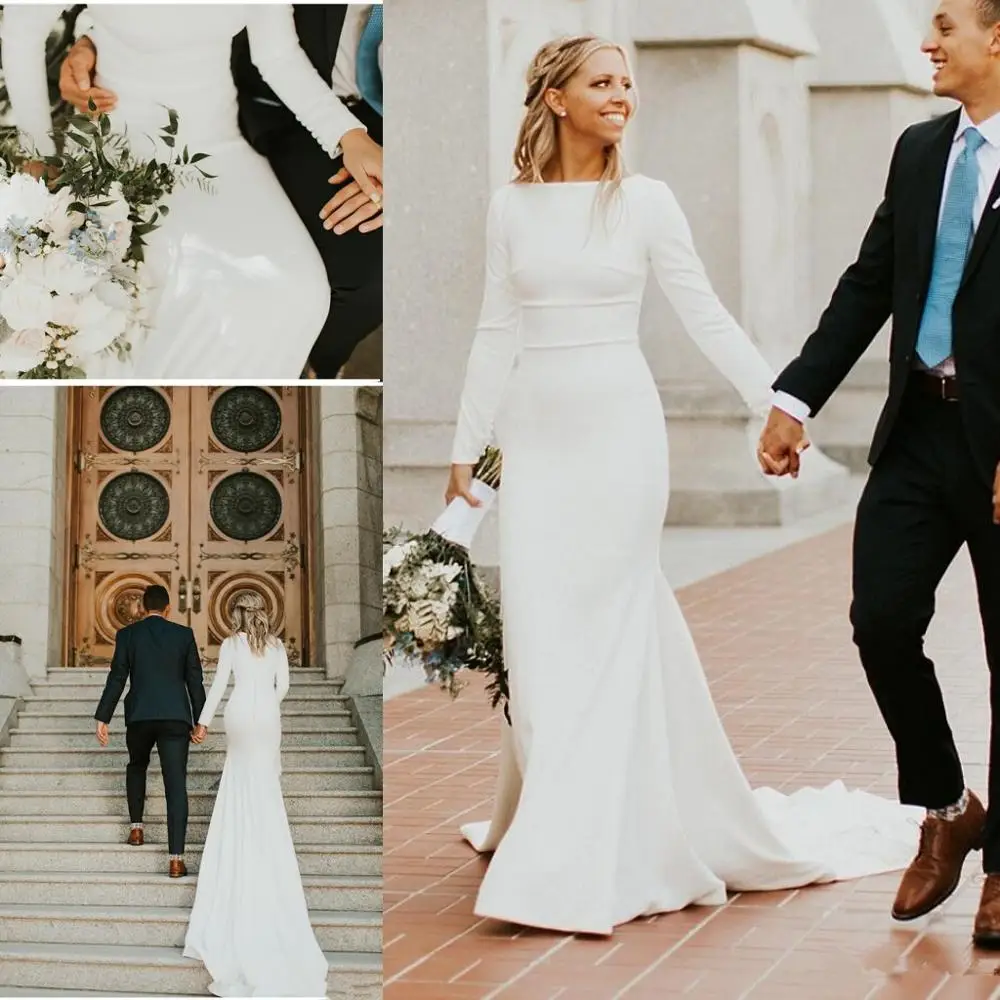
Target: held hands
<point>996,496</point>
<point>199,733</point>
<point>360,200</point>
<point>102,733</point>
<point>459,485</point>
<point>76,80</point>
<point>781,445</point>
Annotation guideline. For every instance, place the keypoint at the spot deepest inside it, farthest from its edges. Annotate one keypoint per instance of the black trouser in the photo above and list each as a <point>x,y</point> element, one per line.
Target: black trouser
<point>923,501</point>
<point>353,261</point>
<point>172,740</point>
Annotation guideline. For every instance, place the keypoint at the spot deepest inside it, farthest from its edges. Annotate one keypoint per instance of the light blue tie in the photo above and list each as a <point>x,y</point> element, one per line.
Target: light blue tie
<point>368,71</point>
<point>950,252</point>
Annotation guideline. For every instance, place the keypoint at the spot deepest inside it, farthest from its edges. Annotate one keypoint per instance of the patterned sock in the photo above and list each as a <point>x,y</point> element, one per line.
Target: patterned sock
<point>176,857</point>
<point>952,811</point>
<point>137,826</point>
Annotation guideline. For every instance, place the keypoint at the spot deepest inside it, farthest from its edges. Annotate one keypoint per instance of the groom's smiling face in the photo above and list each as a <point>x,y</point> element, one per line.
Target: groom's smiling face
<point>964,45</point>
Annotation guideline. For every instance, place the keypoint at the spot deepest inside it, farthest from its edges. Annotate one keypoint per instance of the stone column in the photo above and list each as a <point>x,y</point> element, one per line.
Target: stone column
<point>351,504</point>
<point>32,522</point>
<point>866,87</point>
<point>724,120</point>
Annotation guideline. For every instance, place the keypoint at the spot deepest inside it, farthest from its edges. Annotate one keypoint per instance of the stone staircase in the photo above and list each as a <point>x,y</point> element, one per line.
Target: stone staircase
<point>82,911</point>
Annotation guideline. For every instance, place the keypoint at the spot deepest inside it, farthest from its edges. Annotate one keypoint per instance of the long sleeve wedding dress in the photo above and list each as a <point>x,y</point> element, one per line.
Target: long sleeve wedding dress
<point>239,289</point>
<point>619,794</point>
<point>250,924</point>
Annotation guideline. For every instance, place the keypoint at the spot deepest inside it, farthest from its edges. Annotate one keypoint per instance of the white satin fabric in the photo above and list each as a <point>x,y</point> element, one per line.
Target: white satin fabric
<point>619,794</point>
<point>250,924</point>
<point>240,289</point>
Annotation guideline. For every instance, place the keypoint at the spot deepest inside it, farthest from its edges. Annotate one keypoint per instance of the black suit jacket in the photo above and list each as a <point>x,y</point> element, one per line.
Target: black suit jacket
<point>159,660</point>
<point>319,27</point>
<point>891,277</point>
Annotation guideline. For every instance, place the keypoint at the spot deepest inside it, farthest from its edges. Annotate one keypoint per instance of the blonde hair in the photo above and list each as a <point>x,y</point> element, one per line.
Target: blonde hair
<point>554,65</point>
<point>249,616</point>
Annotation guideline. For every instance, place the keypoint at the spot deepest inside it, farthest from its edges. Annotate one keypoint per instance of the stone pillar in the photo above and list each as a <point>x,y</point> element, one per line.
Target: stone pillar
<point>724,120</point>
<point>351,504</point>
<point>32,521</point>
<point>866,88</point>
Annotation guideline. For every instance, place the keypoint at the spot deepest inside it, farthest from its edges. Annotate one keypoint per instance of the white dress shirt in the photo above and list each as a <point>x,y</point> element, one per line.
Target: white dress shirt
<point>988,159</point>
<point>345,80</point>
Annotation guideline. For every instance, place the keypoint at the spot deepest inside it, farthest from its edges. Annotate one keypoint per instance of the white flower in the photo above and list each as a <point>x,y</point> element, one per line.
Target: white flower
<point>58,219</point>
<point>117,211</point>
<point>97,325</point>
<point>24,303</point>
<point>66,276</point>
<point>119,239</point>
<point>23,351</point>
<point>25,198</point>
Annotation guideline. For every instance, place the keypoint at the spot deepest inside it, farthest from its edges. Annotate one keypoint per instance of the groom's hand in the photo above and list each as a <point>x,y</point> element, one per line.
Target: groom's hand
<point>76,79</point>
<point>996,496</point>
<point>350,207</point>
<point>102,733</point>
<point>199,734</point>
<point>363,161</point>
<point>781,444</point>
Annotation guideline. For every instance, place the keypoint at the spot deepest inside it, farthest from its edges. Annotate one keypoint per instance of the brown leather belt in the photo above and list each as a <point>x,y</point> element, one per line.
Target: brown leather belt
<point>940,387</point>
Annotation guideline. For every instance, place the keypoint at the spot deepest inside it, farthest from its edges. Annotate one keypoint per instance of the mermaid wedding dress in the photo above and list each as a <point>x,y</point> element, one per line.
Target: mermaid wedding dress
<point>239,289</point>
<point>250,925</point>
<point>619,794</point>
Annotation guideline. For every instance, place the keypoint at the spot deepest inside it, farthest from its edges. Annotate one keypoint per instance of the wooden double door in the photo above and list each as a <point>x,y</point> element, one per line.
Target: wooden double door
<point>199,489</point>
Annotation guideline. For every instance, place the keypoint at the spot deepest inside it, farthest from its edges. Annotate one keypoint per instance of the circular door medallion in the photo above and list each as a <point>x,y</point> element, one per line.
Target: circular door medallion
<point>245,506</point>
<point>134,505</point>
<point>246,418</point>
<point>135,418</point>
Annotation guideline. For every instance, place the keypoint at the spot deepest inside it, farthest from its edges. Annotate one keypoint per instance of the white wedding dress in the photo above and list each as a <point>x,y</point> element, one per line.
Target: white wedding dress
<point>240,290</point>
<point>250,925</point>
<point>619,794</point>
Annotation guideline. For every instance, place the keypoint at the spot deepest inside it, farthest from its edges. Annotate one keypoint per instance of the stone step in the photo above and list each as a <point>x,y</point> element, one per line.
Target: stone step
<point>112,779</point>
<point>201,803</point>
<point>323,892</point>
<point>336,930</point>
<point>314,859</point>
<point>92,687</point>
<point>68,829</point>
<point>133,970</point>
<point>97,757</point>
<point>84,722</point>
<point>334,736</point>
<point>294,702</point>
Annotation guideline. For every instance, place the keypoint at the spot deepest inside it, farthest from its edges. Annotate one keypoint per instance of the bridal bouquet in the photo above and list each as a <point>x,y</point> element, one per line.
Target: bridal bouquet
<point>436,608</point>
<point>72,230</point>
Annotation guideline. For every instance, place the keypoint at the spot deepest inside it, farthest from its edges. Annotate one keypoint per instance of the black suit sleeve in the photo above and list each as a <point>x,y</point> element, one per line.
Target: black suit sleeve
<point>117,678</point>
<point>858,309</point>
<point>194,680</point>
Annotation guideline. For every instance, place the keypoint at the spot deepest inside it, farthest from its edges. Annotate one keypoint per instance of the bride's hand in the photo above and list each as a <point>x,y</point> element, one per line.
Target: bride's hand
<point>363,161</point>
<point>76,79</point>
<point>459,484</point>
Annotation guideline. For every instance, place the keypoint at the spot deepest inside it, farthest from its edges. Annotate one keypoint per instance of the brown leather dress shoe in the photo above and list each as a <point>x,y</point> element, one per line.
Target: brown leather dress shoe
<point>178,869</point>
<point>986,930</point>
<point>935,872</point>
<point>135,838</point>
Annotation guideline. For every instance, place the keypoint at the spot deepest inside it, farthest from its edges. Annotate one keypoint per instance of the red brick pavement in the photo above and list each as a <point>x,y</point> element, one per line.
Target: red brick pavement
<point>776,645</point>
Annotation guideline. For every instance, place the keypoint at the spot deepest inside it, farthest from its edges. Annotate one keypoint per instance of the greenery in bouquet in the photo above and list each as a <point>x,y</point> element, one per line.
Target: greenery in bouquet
<point>439,611</point>
<point>72,238</point>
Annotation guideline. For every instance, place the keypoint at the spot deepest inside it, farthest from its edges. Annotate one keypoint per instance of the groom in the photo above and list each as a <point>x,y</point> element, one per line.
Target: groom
<point>159,661</point>
<point>343,42</point>
<point>931,261</point>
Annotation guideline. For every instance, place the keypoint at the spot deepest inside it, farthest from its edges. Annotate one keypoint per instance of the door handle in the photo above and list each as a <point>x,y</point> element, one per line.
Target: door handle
<point>196,594</point>
<point>184,585</point>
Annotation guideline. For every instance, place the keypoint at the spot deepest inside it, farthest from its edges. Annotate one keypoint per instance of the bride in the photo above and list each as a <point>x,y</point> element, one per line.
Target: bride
<point>619,794</point>
<point>250,925</point>
<point>239,289</point>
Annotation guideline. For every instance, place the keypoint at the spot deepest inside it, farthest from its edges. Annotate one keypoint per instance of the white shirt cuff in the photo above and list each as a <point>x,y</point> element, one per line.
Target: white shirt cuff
<point>793,407</point>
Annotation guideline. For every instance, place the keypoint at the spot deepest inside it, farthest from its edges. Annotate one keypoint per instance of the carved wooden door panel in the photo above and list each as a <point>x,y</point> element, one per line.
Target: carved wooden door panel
<point>197,489</point>
<point>246,456</point>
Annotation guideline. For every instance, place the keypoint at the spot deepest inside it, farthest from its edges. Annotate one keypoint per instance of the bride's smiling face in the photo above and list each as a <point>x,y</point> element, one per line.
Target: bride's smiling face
<point>599,99</point>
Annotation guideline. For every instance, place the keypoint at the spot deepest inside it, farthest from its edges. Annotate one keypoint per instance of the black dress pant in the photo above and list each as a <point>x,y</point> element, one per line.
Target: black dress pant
<point>923,501</point>
<point>172,741</point>
<point>353,261</point>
